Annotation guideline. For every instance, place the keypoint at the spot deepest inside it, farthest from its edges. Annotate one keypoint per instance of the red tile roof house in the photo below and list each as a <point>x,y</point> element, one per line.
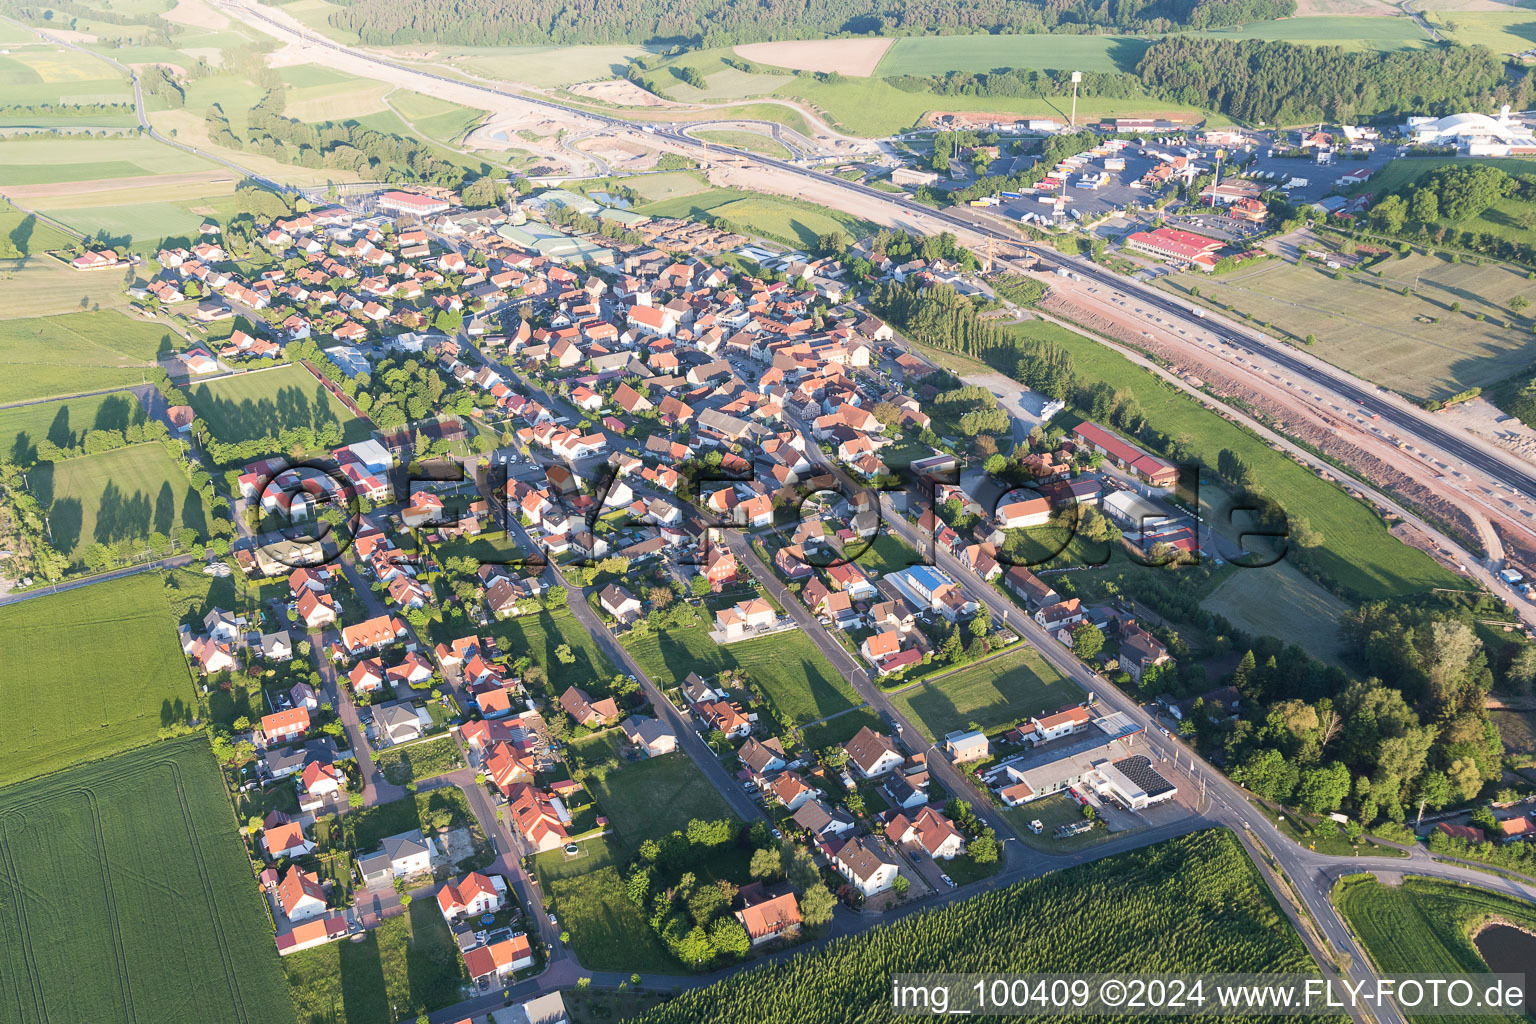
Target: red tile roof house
<point>935,834</point>
<point>282,726</point>
<point>771,918</point>
<point>379,631</point>
<point>286,840</point>
<point>301,895</point>
<point>472,896</point>
<point>499,959</point>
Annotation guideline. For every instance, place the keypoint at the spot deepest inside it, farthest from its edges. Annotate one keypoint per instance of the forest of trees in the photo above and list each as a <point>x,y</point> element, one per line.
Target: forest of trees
<point>1021,83</point>
<point>942,317</point>
<point>726,22</point>
<point>1376,750</point>
<point>1254,80</point>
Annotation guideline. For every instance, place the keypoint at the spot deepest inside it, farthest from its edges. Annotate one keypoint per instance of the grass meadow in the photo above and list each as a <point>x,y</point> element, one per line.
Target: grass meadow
<point>771,217</point>
<point>64,422</point>
<point>265,402</point>
<point>1510,31</point>
<point>993,693</point>
<point>793,674</point>
<point>118,495</point>
<point>1357,551</point>
<point>1279,601</point>
<point>78,352</point>
<point>99,665</point>
<point>752,142</point>
<point>132,866</point>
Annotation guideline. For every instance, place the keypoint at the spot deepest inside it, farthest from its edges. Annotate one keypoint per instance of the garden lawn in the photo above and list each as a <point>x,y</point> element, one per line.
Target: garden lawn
<point>888,553</point>
<point>418,761</point>
<point>131,865</point>
<point>1357,551</point>
<point>841,728</point>
<point>116,496</point>
<point>540,635</point>
<point>99,665</point>
<point>407,966</point>
<point>1364,324</point>
<point>655,797</point>
<point>608,932</point>
<point>793,673</point>
<point>264,403</point>
<point>1422,926</point>
<point>66,355</point>
<point>991,694</point>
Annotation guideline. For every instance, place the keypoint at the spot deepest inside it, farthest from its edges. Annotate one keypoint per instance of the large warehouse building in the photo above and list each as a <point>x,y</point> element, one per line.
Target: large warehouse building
<point>1475,134</point>
<point>1100,760</point>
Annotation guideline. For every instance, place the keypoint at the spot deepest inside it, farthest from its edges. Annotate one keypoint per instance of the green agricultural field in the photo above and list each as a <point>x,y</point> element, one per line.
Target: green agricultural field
<point>628,798</point>
<point>1424,925</point>
<point>78,158</point>
<point>319,94</point>
<point>437,119</point>
<point>546,66</point>
<point>539,636</point>
<point>1400,172</point>
<point>752,142</point>
<point>42,286</point>
<point>64,656</point>
<point>608,932</point>
<point>418,761</point>
<point>144,227</point>
<point>1279,601</point>
<point>264,402</point>
<point>1190,904</point>
<point>994,693</point>
<point>407,966</point>
<point>116,496</point>
<point>794,675</point>
<point>874,107</point>
<point>65,355</point>
<point>1364,324</point>
<point>937,55</point>
<point>21,235</point>
<point>131,865</point>
<point>1357,550</point>
<point>1351,32</point>
<point>1501,31</point>
<point>770,217</point>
